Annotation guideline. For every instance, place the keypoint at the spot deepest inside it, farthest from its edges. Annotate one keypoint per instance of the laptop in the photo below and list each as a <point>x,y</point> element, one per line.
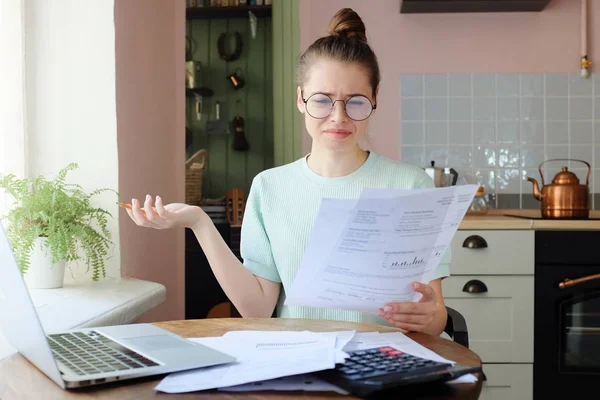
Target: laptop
<point>84,357</point>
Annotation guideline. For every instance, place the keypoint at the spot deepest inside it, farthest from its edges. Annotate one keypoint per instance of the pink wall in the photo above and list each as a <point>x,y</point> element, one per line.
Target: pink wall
<point>151,124</point>
<point>548,41</point>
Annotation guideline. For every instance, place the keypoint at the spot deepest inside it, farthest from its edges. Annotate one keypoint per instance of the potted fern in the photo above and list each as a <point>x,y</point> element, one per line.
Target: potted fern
<point>53,222</point>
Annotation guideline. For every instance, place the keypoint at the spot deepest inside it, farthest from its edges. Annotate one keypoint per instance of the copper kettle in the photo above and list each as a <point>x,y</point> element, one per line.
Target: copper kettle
<point>565,198</point>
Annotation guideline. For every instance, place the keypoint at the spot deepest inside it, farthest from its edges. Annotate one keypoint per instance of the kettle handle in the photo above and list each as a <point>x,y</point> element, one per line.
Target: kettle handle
<point>587,181</point>
<point>454,176</point>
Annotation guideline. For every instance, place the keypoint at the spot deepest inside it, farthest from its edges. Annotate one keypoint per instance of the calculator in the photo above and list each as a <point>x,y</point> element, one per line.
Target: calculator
<point>372,370</point>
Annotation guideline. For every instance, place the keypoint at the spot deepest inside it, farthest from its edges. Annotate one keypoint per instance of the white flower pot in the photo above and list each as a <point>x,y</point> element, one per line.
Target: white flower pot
<point>41,273</point>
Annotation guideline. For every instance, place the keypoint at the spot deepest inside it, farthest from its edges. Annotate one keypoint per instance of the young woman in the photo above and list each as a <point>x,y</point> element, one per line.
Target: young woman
<point>338,78</point>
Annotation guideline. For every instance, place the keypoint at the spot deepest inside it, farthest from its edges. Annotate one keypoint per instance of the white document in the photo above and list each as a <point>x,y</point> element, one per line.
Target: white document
<point>241,338</point>
<point>367,252</point>
<point>261,356</point>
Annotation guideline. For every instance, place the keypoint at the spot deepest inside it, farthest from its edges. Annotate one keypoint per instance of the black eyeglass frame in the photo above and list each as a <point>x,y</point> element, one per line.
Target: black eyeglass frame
<point>305,101</point>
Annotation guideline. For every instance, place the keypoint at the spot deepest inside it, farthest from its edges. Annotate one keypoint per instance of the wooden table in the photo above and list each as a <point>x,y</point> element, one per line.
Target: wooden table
<point>21,380</point>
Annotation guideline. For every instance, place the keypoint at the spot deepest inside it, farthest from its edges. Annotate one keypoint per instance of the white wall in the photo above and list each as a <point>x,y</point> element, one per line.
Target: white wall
<point>71,108</point>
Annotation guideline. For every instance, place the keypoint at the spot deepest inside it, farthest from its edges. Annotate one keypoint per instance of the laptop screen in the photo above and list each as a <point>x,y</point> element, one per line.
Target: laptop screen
<point>19,321</point>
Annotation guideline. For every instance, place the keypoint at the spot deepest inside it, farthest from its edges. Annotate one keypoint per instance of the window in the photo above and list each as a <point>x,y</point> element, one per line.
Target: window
<point>12,96</point>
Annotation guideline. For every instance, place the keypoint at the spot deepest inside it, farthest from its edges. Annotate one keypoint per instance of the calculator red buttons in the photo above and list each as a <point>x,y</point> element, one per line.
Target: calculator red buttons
<point>386,349</point>
<point>395,353</point>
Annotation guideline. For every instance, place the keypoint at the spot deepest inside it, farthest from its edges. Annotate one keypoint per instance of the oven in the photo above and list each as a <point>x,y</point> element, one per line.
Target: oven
<point>567,314</point>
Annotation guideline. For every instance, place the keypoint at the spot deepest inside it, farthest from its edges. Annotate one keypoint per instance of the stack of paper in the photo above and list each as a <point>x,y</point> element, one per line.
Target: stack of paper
<point>261,356</point>
<point>283,360</point>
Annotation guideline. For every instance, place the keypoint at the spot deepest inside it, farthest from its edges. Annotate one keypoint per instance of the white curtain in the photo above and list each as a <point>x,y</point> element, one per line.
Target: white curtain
<point>13,138</point>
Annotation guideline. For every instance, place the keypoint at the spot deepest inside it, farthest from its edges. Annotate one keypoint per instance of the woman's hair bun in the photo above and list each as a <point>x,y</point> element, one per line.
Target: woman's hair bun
<point>346,22</point>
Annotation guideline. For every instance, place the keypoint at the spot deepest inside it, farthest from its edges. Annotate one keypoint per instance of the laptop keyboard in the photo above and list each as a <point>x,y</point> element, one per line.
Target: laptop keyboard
<point>88,353</point>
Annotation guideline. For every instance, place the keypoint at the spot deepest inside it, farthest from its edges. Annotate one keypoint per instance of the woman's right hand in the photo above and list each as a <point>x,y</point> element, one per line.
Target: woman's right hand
<point>173,215</point>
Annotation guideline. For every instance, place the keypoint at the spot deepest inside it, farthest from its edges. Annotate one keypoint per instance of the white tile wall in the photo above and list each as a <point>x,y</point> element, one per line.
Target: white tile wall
<point>496,129</point>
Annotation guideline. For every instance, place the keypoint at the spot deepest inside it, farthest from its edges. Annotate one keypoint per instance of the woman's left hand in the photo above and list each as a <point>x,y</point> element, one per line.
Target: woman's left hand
<point>413,316</point>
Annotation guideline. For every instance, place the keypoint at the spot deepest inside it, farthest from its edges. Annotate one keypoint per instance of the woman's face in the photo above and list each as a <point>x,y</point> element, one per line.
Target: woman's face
<point>339,81</point>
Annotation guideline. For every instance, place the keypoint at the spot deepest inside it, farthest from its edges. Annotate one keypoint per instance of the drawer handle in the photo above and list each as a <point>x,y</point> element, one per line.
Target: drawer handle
<point>475,286</point>
<point>475,242</point>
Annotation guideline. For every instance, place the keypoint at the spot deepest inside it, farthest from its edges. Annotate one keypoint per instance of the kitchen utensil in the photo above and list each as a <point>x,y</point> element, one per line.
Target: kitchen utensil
<point>565,198</point>
<point>450,177</point>
<point>192,74</point>
<point>236,79</point>
<point>190,48</point>
<point>253,23</point>
<point>221,45</point>
<point>193,80</point>
<point>442,176</point>
<point>198,107</point>
<point>188,137</point>
<point>239,142</point>
<point>479,205</point>
<point>217,125</point>
<point>193,86</point>
<point>435,173</point>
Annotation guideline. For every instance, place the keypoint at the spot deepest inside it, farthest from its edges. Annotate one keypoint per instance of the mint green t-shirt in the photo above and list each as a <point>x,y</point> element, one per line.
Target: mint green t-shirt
<point>282,207</point>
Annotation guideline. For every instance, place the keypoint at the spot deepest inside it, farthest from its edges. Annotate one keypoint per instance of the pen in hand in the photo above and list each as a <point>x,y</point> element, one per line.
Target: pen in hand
<point>128,206</point>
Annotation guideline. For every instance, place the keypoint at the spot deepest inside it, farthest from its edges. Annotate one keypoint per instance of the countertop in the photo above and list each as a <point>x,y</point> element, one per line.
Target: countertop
<point>498,219</point>
<point>91,304</point>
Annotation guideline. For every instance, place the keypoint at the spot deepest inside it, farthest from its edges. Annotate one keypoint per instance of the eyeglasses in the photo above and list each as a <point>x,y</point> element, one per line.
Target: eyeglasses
<point>320,105</point>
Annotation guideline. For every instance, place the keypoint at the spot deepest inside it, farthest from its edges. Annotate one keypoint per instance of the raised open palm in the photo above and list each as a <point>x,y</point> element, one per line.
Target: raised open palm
<point>164,216</point>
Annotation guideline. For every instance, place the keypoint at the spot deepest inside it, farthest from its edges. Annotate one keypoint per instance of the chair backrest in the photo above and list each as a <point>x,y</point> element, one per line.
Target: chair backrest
<point>456,327</point>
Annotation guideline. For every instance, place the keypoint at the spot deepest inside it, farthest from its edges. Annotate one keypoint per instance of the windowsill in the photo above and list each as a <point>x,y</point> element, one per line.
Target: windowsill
<point>91,304</point>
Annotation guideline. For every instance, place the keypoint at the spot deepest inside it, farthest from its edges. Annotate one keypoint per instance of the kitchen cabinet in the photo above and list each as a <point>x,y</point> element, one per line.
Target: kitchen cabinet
<point>504,271</point>
<point>500,320</point>
<point>492,285</point>
<point>507,381</point>
<point>485,252</point>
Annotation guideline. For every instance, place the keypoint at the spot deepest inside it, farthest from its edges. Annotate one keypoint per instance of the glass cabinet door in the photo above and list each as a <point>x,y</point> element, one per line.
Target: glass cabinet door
<point>579,322</point>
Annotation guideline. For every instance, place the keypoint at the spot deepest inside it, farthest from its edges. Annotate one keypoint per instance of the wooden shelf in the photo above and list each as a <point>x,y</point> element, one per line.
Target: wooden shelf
<point>462,6</point>
<point>227,12</point>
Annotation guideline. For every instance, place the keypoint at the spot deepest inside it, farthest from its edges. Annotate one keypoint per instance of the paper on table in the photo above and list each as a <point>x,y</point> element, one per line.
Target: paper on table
<point>468,378</point>
<point>342,338</point>
<point>239,338</point>
<point>261,356</point>
<point>367,252</point>
<point>360,341</point>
